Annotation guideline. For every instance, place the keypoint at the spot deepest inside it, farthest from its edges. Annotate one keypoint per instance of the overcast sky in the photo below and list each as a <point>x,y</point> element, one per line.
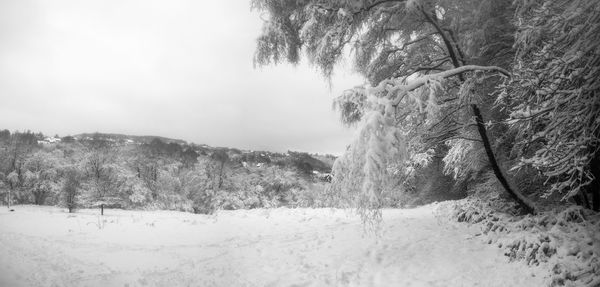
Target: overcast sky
<point>180,69</point>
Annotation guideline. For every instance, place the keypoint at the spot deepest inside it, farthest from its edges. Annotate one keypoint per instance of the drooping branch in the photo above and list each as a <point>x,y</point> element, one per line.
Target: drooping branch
<point>398,91</point>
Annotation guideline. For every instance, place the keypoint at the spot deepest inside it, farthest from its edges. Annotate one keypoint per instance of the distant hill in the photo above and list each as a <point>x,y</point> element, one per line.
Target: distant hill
<point>121,137</point>
<point>303,162</point>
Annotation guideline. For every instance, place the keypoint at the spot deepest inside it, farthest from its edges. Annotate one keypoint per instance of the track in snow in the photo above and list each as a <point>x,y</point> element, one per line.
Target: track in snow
<point>44,246</point>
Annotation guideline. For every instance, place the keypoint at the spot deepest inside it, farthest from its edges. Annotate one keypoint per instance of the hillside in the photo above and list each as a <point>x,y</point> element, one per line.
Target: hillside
<point>115,170</point>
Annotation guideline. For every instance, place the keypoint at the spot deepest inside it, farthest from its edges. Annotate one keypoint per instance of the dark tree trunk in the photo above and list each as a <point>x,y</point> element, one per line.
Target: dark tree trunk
<point>516,195</point>
<point>586,201</point>
<point>577,199</point>
<point>594,187</point>
<point>596,197</point>
<point>101,209</point>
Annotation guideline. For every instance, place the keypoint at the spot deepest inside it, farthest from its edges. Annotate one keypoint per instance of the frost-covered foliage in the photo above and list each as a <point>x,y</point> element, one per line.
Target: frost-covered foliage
<point>556,89</point>
<point>362,170</point>
<point>554,98</point>
<point>464,158</point>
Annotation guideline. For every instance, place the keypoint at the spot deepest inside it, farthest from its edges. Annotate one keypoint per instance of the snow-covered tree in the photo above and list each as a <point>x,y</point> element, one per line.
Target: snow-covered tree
<point>41,176</point>
<point>103,182</point>
<point>419,58</point>
<point>220,158</point>
<point>12,180</point>
<point>171,185</point>
<point>70,188</point>
<point>200,186</point>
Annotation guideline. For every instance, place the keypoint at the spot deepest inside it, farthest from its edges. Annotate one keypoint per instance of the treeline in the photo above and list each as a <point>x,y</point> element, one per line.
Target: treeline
<point>105,171</point>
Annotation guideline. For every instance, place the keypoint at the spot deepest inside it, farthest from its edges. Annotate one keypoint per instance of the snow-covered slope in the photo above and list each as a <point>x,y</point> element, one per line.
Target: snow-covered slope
<point>44,246</point>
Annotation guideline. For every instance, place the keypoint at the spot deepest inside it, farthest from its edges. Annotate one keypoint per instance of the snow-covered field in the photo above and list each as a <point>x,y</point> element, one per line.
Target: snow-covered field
<point>45,246</point>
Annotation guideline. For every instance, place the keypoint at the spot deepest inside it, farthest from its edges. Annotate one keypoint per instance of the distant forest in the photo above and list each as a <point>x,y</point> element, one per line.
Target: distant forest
<point>119,171</point>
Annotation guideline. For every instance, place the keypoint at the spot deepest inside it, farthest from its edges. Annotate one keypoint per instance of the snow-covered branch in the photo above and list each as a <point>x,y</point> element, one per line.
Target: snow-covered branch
<point>453,72</point>
<point>397,84</point>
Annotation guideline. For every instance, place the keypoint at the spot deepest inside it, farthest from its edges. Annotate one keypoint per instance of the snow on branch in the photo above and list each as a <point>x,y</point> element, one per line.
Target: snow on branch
<point>449,73</point>
<point>442,75</point>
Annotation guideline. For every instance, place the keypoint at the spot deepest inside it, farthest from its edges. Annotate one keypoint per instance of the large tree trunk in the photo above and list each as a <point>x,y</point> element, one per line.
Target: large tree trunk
<point>516,195</point>
<point>102,209</point>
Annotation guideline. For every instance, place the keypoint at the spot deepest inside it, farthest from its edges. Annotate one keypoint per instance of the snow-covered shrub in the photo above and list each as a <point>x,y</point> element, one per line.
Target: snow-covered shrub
<point>138,193</point>
<point>205,201</point>
<point>313,195</point>
<point>230,200</point>
<point>566,240</point>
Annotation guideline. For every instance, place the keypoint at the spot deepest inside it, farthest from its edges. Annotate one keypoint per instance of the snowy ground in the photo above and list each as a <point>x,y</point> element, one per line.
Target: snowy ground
<point>45,246</point>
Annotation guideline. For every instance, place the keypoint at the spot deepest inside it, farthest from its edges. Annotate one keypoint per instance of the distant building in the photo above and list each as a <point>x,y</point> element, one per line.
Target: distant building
<point>323,176</point>
<point>49,140</point>
<point>52,139</point>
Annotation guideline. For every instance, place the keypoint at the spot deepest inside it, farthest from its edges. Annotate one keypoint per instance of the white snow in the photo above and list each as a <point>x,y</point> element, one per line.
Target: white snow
<point>45,246</point>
